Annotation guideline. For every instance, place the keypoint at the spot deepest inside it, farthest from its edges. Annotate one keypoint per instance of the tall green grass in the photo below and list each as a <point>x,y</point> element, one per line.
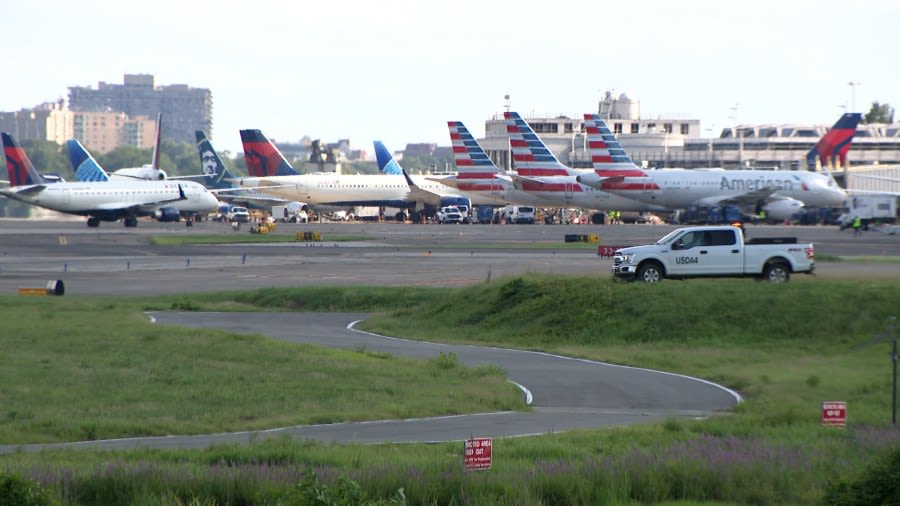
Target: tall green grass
<point>785,348</point>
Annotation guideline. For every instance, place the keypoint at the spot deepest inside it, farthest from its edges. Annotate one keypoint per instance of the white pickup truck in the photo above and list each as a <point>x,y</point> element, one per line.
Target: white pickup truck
<point>714,251</point>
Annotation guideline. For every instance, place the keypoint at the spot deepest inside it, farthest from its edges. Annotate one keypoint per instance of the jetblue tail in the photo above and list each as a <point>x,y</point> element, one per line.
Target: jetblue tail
<point>386,162</point>
<point>86,168</point>
<point>262,157</point>
<point>215,175</point>
<point>21,170</point>
<point>531,155</point>
<point>834,145</point>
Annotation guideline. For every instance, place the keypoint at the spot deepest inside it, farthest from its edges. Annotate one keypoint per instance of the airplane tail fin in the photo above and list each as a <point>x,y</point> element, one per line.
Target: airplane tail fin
<point>262,157</point>
<point>531,156</point>
<point>386,162</point>
<point>215,175</point>
<point>21,170</point>
<point>156,152</point>
<point>471,159</point>
<point>832,148</point>
<point>85,166</point>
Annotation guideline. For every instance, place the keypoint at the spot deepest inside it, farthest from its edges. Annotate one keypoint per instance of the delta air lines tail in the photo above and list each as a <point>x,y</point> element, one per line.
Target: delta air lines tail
<point>18,165</point>
<point>262,157</point>
<point>832,148</point>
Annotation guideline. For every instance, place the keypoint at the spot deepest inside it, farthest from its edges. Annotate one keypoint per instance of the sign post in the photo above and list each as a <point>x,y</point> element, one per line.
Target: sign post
<point>834,414</point>
<point>477,454</point>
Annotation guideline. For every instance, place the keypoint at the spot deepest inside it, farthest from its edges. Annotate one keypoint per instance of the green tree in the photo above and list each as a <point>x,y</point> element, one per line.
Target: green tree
<point>879,113</point>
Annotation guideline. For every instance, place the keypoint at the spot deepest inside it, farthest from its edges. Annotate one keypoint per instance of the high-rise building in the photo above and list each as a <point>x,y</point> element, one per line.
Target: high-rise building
<point>101,132</point>
<point>184,109</point>
<point>50,121</point>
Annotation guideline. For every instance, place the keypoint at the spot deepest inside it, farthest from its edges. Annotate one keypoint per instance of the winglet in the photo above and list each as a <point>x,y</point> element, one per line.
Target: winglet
<point>85,166</point>
<point>386,162</point>
<point>181,195</point>
<point>18,165</point>
<point>262,156</point>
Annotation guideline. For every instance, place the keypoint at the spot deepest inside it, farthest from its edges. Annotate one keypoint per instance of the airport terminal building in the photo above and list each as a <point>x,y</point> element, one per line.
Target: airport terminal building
<point>678,142</point>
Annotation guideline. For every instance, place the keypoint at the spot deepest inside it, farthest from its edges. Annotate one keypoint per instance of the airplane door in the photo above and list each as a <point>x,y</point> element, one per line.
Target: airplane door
<point>569,190</point>
<point>303,191</point>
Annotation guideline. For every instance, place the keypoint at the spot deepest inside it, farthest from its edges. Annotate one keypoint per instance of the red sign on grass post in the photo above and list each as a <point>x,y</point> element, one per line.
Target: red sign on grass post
<point>834,413</point>
<point>478,453</point>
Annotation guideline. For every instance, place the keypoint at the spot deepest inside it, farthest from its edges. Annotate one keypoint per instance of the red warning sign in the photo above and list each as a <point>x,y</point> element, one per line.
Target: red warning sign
<point>834,413</point>
<point>477,454</point>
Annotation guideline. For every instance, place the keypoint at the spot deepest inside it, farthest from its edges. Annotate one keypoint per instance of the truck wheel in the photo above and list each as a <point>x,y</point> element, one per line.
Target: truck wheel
<point>777,272</point>
<point>650,272</point>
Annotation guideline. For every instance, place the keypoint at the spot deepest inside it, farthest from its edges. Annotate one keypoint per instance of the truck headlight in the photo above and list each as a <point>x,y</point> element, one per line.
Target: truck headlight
<point>626,257</point>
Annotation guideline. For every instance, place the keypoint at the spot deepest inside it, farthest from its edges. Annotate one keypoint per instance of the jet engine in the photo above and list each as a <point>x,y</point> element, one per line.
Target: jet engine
<point>167,214</point>
<point>782,209</point>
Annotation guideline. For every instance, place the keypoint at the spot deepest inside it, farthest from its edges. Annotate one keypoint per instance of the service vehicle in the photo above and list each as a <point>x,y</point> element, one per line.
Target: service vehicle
<point>714,251</point>
<point>238,214</point>
<point>518,214</point>
<point>449,214</point>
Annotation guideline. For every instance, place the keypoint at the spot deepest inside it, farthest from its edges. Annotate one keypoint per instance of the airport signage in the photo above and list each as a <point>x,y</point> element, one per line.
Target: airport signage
<point>477,454</point>
<point>834,413</point>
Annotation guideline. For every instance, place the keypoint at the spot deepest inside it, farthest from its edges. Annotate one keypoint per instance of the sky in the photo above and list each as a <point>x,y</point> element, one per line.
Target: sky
<point>398,70</point>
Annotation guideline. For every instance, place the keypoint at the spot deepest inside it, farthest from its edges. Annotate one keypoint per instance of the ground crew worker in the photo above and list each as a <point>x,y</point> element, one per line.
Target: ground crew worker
<point>857,225</point>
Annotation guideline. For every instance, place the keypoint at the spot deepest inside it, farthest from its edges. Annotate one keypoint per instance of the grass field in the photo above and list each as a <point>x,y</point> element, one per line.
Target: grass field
<point>785,348</point>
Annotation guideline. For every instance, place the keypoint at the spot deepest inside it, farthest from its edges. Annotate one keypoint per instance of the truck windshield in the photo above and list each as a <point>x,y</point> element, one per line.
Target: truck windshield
<point>666,239</point>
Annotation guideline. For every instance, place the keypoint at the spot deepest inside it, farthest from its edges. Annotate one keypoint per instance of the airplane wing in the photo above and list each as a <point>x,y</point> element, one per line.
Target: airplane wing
<point>520,181</point>
<point>134,207</point>
<point>748,199</point>
<point>449,181</point>
<point>417,194</point>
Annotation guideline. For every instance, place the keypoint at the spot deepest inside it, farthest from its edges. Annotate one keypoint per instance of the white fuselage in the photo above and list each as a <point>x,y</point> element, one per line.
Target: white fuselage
<point>354,189</point>
<point>565,192</point>
<point>137,198</point>
<point>679,188</point>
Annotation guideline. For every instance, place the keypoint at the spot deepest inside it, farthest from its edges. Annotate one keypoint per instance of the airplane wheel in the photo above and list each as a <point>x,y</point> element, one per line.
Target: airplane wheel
<point>130,221</point>
<point>93,222</point>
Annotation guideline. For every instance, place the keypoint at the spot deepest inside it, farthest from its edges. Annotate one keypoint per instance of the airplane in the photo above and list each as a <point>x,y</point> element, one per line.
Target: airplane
<point>87,169</point>
<point>538,171</point>
<point>478,176</point>
<point>104,200</point>
<point>273,174</point>
<point>222,182</point>
<point>780,194</point>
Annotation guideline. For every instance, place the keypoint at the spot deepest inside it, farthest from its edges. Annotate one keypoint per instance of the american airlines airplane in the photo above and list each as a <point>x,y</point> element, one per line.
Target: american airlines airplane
<point>104,200</point>
<point>539,172</point>
<point>271,173</point>
<point>779,193</point>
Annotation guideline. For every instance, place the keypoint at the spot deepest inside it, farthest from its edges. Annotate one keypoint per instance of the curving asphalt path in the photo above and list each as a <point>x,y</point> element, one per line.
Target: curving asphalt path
<point>567,393</point>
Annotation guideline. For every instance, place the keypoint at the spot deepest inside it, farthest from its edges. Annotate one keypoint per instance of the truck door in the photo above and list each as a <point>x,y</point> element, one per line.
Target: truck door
<point>724,254</point>
<point>685,256</point>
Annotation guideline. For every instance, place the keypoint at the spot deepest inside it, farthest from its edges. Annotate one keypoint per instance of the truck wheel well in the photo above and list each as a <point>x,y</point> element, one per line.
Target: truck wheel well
<point>778,260</point>
<point>655,262</point>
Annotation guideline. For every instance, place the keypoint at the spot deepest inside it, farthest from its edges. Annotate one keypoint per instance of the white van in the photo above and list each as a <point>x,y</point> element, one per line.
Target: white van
<point>519,214</point>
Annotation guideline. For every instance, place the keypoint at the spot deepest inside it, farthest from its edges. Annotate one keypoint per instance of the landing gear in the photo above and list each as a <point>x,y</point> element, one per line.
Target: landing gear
<point>93,222</point>
<point>130,221</point>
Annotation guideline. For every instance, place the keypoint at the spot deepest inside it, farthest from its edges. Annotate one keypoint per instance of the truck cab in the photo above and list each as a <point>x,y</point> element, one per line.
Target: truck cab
<point>713,251</point>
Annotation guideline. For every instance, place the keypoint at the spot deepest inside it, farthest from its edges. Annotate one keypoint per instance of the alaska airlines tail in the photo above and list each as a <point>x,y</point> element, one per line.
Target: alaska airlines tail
<point>531,155</point>
<point>86,168</point>
<point>262,157</point>
<point>386,162</point>
<point>21,170</point>
<point>834,145</point>
<point>215,175</point>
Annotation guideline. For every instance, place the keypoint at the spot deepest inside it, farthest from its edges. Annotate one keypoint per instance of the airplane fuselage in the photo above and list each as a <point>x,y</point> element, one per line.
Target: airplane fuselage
<point>679,188</point>
<point>122,198</point>
<point>355,190</point>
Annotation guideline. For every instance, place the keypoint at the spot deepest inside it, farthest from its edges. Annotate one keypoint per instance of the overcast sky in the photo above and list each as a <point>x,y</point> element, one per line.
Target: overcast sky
<point>398,70</point>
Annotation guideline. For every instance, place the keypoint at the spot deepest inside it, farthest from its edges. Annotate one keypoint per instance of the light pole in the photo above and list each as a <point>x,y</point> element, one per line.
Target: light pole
<point>853,85</point>
<point>710,146</point>
<point>740,135</point>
